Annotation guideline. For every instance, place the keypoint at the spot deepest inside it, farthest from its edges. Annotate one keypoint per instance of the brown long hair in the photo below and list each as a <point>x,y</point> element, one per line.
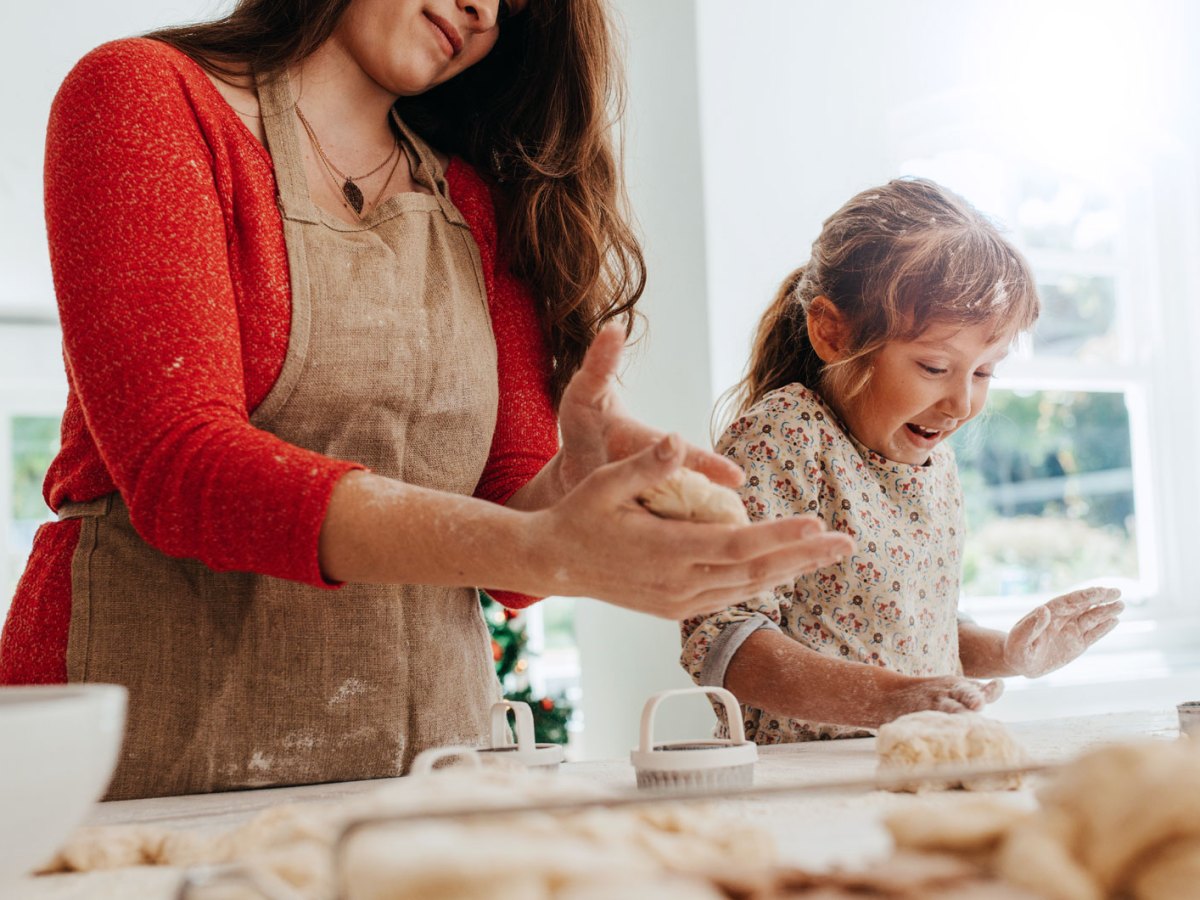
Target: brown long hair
<point>894,260</point>
<point>536,116</point>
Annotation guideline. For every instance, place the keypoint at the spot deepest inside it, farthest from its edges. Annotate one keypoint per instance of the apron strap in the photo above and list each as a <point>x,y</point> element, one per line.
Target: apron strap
<point>277,107</point>
<point>425,167</point>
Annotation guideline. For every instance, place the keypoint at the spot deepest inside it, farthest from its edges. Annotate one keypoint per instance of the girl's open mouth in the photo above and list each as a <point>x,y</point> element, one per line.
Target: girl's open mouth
<point>927,433</point>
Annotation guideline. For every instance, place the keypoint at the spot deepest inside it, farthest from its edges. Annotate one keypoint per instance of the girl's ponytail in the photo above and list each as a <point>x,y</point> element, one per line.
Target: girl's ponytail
<point>781,354</point>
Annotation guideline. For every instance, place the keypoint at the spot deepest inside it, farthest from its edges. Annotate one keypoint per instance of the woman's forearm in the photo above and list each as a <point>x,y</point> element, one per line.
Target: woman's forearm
<point>378,530</point>
<point>596,541</point>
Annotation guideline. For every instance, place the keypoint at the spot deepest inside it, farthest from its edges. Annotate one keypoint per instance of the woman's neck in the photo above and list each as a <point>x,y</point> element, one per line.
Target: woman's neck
<point>348,110</point>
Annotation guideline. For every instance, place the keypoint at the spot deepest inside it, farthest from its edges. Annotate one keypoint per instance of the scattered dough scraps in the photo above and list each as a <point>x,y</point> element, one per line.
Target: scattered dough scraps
<point>688,495</point>
<point>1119,822</point>
<point>923,740</point>
<point>652,851</point>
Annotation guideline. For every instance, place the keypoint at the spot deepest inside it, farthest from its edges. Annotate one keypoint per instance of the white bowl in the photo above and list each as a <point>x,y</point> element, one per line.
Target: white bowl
<point>58,749</point>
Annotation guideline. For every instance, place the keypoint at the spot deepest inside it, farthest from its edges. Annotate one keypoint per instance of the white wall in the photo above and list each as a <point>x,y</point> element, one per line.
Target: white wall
<point>43,41</point>
<point>625,656</point>
<point>805,103</point>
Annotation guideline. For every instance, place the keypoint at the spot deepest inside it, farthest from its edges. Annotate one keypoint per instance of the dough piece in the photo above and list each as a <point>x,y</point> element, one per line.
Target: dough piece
<point>1172,873</point>
<point>968,828</point>
<point>688,495</point>
<point>642,852</point>
<point>116,847</point>
<point>904,876</point>
<point>1121,821</point>
<point>1035,855</point>
<point>923,740</point>
<point>1127,803</point>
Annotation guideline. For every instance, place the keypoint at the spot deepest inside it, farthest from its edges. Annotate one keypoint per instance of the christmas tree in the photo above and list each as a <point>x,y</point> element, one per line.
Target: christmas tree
<point>507,628</point>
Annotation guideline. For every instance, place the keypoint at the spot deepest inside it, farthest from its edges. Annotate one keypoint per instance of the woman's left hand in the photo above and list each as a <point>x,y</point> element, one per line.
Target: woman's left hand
<point>597,430</point>
<point>1052,635</point>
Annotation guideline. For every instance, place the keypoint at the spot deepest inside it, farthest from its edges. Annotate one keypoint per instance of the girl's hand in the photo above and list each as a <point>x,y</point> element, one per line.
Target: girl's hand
<point>597,430</point>
<point>946,693</point>
<point>599,541</point>
<point>1052,635</point>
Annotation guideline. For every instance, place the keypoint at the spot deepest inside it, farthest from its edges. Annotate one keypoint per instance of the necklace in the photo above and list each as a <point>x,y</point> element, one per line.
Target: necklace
<point>346,183</point>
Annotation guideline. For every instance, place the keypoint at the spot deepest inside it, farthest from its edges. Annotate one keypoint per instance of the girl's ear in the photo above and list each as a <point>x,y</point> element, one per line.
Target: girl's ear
<point>827,330</point>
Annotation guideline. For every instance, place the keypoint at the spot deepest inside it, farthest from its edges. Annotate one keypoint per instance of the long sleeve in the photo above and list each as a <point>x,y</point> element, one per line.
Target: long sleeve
<point>140,247</point>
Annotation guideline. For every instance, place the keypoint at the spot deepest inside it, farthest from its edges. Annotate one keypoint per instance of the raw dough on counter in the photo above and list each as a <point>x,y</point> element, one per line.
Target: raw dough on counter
<point>688,495</point>
<point>1122,821</point>
<point>648,851</point>
<point>922,740</point>
<point>903,876</point>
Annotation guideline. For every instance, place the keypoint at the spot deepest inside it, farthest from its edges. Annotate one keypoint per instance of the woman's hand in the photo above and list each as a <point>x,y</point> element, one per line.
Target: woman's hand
<point>597,430</point>
<point>599,541</point>
<point>1052,635</point>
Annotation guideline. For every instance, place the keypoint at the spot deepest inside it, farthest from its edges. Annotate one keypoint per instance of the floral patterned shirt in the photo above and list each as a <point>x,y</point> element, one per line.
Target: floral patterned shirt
<point>892,603</point>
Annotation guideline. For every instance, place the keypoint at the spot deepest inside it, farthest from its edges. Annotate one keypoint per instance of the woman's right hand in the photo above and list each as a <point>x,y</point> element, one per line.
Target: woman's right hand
<point>599,541</point>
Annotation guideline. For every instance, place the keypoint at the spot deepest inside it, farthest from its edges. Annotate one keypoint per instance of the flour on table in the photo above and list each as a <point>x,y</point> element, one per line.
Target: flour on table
<point>930,738</point>
<point>688,495</point>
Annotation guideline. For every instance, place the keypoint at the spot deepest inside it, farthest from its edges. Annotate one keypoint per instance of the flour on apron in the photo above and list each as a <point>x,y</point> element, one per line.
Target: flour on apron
<point>239,680</point>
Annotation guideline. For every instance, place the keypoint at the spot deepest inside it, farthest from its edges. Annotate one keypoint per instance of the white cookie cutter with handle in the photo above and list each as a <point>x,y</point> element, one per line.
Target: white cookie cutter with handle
<point>524,751</point>
<point>427,760</point>
<point>706,764</point>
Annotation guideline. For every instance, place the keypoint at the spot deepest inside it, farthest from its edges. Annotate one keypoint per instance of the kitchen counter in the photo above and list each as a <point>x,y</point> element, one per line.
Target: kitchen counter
<point>817,830</point>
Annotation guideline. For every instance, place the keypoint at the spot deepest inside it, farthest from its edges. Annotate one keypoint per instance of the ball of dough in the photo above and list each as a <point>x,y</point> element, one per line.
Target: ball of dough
<point>970,826</point>
<point>1127,803</point>
<point>688,495</point>
<point>923,740</point>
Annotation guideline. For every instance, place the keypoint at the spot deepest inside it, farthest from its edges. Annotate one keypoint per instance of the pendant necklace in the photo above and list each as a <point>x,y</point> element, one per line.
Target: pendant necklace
<point>347,183</point>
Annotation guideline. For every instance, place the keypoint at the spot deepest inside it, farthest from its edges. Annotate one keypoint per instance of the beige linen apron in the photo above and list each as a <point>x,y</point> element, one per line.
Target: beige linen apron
<point>239,680</point>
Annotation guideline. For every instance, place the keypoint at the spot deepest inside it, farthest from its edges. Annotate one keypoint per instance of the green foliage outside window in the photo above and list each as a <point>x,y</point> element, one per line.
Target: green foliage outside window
<point>35,441</point>
<point>1048,483</point>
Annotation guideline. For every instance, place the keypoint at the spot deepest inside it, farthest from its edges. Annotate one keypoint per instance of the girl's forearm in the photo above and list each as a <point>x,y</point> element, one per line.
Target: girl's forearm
<point>774,672</point>
<point>981,651</point>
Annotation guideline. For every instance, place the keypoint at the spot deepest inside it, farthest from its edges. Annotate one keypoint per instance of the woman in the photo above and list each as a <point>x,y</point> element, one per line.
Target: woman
<point>285,376</point>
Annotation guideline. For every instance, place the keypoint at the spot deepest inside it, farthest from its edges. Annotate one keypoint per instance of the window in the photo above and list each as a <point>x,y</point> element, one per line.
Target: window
<point>1047,471</point>
<point>32,395</point>
<point>33,441</point>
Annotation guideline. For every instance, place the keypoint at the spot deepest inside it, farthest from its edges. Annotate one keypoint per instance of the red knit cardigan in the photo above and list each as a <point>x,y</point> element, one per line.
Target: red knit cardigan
<point>171,275</point>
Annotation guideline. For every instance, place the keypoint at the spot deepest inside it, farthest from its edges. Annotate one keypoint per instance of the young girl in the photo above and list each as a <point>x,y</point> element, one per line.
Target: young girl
<point>869,358</point>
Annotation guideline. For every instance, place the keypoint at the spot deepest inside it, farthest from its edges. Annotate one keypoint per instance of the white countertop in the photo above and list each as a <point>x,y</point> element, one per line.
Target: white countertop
<point>815,830</point>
